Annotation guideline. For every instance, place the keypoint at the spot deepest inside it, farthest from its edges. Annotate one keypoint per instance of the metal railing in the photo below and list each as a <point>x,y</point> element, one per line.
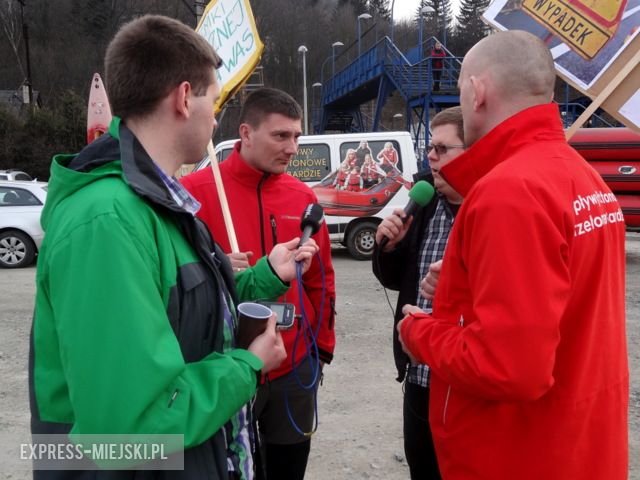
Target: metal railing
<point>570,112</point>
<point>411,79</point>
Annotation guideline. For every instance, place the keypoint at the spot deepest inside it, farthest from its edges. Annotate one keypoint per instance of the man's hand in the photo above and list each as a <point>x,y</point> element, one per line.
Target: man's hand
<point>239,261</point>
<point>430,282</point>
<point>268,346</point>
<point>284,256</point>
<point>393,228</point>
<point>411,309</point>
<point>407,310</point>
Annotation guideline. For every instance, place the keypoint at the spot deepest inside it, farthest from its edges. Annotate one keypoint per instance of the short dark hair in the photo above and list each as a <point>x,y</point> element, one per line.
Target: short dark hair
<point>149,57</point>
<point>450,116</point>
<point>266,101</point>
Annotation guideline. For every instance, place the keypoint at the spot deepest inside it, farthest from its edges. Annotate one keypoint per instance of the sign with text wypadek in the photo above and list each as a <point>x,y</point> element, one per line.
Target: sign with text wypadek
<point>592,43</point>
<point>584,25</point>
<point>229,26</point>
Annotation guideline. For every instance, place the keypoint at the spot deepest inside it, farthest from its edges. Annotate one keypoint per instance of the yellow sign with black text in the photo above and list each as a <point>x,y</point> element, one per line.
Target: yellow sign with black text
<point>229,26</point>
<point>579,30</point>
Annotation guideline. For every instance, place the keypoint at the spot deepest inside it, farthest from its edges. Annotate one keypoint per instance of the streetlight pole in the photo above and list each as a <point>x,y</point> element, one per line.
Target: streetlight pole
<point>25,35</point>
<point>444,29</point>
<point>313,95</point>
<point>333,56</point>
<point>425,10</point>
<point>322,68</point>
<point>393,3</point>
<point>303,50</point>
<point>313,103</point>
<point>362,16</point>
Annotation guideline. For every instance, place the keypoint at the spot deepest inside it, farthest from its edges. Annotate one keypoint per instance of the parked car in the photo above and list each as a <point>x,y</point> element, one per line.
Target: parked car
<point>15,175</point>
<point>21,235</point>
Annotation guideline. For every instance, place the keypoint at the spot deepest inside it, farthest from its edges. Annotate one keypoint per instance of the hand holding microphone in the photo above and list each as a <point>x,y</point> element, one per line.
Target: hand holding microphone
<point>312,218</point>
<point>284,256</point>
<point>393,228</point>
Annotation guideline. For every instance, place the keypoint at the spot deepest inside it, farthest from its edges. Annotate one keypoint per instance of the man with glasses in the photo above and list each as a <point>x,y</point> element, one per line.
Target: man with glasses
<point>413,246</point>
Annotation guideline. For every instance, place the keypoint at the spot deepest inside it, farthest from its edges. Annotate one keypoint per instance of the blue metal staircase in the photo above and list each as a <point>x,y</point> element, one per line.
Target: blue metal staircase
<point>376,74</point>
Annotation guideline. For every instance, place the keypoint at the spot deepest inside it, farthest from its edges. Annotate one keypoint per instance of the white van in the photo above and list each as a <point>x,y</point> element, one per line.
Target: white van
<point>359,178</point>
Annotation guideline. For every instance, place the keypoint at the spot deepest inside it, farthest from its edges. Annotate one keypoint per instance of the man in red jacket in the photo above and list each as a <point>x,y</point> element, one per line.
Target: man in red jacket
<point>266,205</point>
<point>526,342</point>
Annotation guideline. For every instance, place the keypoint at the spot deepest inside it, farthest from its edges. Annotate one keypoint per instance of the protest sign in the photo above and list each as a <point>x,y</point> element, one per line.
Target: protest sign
<point>593,43</point>
<point>229,26</point>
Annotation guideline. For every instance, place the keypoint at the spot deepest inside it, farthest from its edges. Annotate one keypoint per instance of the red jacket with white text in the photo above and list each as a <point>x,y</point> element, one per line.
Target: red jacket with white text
<point>527,343</point>
<point>266,209</point>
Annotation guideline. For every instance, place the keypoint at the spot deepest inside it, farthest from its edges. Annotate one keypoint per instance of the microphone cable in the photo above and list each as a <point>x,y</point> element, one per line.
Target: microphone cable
<point>376,259</point>
<point>309,336</point>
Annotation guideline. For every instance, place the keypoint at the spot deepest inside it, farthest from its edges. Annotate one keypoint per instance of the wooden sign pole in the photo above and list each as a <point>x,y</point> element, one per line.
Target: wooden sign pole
<point>226,213</point>
<point>604,94</point>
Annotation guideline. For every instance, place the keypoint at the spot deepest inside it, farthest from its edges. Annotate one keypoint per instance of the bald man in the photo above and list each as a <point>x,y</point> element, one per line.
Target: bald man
<point>526,342</point>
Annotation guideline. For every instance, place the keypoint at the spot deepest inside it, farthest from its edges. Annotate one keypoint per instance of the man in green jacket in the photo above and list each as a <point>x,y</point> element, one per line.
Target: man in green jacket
<point>135,317</point>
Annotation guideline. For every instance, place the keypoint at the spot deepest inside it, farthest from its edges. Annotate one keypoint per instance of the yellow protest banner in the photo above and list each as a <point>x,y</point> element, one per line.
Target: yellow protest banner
<point>229,26</point>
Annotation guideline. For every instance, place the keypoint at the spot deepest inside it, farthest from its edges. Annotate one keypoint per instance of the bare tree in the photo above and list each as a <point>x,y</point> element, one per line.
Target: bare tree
<point>12,28</point>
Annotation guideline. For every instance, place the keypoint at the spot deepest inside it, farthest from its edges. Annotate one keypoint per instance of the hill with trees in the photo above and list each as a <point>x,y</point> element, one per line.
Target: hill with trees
<point>67,40</point>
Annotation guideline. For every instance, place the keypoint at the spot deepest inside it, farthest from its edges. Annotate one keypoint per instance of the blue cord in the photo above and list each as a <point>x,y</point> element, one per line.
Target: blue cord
<point>309,336</point>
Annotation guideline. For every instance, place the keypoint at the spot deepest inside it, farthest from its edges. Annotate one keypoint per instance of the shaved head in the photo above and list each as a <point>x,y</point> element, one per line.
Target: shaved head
<point>519,63</point>
<point>503,74</point>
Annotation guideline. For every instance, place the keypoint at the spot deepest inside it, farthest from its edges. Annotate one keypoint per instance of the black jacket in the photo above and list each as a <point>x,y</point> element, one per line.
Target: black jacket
<point>399,270</point>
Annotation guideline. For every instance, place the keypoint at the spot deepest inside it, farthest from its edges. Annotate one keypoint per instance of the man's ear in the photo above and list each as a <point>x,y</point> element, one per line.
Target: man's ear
<point>479,89</point>
<point>245,133</point>
<point>182,97</point>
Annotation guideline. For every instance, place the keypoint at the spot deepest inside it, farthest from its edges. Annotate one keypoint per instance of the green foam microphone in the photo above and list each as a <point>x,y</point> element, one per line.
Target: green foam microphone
<point>419,195</point>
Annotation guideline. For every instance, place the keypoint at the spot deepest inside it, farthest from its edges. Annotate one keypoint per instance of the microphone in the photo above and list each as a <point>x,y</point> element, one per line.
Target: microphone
<point>312,218</point>
<point>419,195</point>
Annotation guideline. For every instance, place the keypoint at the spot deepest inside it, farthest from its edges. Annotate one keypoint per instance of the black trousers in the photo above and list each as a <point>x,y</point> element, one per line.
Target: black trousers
<point>418,443</point>
<point>436,79</point>
<point>286,462</point>
<point>285,452</point>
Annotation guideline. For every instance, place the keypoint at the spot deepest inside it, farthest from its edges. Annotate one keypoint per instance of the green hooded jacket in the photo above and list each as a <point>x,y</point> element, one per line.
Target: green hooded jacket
<point>128,326</point>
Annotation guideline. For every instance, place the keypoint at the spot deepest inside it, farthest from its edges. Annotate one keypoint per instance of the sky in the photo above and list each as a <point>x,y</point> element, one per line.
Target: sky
<point>405,9</point>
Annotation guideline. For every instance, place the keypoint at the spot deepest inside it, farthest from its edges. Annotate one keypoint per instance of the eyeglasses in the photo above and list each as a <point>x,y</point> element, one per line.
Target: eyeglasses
<point>442,149</point>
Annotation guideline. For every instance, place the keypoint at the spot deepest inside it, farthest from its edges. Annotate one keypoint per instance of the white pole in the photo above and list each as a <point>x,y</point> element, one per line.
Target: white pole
<point>359,49</point>
<point>302,49</point>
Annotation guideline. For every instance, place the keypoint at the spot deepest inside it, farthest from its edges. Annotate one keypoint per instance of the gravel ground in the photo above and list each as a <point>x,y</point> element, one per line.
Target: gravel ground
<point>360,433</point>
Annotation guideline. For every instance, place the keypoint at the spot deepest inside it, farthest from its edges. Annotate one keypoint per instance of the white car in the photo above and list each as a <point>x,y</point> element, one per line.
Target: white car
<point>20,231</point>
<point>14,175</point>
